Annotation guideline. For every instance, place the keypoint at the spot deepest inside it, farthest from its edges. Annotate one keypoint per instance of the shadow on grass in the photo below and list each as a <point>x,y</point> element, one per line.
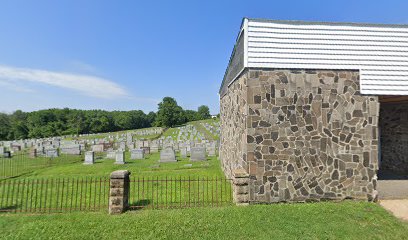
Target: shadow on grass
<point>139,205</point>
<point>7,209</point>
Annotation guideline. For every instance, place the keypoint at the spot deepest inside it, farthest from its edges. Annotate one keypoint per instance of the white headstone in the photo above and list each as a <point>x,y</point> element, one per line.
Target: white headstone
<point>137,154</point>
<point>120,157</point>
<point>89,158</point>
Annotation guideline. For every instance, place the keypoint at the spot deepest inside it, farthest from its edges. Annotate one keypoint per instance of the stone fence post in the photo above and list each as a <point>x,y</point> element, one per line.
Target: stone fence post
<point>240,187</point>
<point>119,191</point>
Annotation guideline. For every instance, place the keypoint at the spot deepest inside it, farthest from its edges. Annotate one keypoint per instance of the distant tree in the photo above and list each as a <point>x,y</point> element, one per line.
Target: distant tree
<point>169,114</point>
<point>151,118</point>
<point>192,115</point>
<point>204,112</point>
<point>4,126</point>
<point>18,128</point>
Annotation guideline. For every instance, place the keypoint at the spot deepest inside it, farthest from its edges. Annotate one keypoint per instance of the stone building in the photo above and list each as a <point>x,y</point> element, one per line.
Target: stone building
<point>313,111</point>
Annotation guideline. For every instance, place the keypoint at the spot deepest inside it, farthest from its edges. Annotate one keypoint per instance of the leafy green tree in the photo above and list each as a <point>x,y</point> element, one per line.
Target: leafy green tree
<point>170,114</point>
<point>204,112</point>
<point>192,115</point>
<point>4,126</point>
<point>18,128</point>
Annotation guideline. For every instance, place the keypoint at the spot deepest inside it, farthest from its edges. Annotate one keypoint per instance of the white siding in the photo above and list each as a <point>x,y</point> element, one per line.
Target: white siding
<point>380,52</point>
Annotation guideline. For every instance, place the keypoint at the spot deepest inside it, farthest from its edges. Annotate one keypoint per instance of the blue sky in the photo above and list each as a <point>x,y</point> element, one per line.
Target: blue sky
<point>123,55</point>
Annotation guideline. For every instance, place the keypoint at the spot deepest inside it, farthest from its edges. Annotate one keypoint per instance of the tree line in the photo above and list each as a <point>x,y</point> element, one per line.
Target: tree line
<point>58,122</point>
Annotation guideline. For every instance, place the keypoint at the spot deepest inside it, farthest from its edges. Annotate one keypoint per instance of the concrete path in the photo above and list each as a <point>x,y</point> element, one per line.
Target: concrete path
<point>397,207</point>
<point>392,189</point>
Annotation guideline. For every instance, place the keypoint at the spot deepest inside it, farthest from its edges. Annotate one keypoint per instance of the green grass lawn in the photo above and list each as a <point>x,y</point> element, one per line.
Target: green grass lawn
<point>72,186</point>
<point>208,135</point>
<point>148,167</point>
<point>326,220</point>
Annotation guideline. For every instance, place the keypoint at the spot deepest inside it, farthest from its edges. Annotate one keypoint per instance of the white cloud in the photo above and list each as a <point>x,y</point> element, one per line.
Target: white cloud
<point>85,84</point>
<point>15,87</point>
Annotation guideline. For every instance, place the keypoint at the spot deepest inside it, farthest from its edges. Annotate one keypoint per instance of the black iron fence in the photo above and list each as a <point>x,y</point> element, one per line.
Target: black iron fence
<point>179,192</point>
<point>54,195</point>
<point>20,163</point>
<point>92,193</point>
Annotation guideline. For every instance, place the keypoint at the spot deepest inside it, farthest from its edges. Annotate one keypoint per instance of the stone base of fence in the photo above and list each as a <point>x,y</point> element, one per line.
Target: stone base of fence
<point>119,192</point>
<point>240,187</point>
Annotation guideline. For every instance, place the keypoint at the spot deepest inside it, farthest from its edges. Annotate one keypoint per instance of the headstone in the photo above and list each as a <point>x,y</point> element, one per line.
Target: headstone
<point>198,154</point>
<point>154,149</point>
<point>211,151</point>
<point>120,157</point>
<point>33,153</point>
<point>89,158</point>
<point>51,153</point>
<point>71,150</point>
<point>7,154</point>
<point>16,148</point>
<point>183,152</point>
<point>167,155</point>
<point>98,148</point>
<point>111,155</point>
<point>122,146</point>
<point>137,154</point>
<point>2,150</point>
<point>146,150</point>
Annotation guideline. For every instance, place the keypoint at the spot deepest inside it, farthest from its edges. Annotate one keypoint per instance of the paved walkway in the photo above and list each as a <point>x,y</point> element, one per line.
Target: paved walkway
<point>392,189</point>
<point>397,207</point>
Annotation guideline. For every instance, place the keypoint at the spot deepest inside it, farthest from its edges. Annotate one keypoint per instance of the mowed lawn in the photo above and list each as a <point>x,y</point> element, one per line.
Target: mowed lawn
<point>73,186</point>
<point>325,220</point>
<point>148,167</point>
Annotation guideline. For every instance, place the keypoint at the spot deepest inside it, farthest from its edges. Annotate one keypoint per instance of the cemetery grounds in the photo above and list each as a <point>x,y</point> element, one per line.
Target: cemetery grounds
<point>64,199</point>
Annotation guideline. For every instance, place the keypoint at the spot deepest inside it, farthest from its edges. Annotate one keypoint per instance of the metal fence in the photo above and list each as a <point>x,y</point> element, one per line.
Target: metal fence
<point>21,163</point>
<point>179,192</point>
<point>92,194</point>
<point>54,195</point>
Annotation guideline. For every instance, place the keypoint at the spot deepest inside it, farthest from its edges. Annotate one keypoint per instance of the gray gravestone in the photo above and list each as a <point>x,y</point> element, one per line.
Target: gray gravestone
<point>211,151</point>
<point>89,158</point>
<point>111,155</point>
<point>7,154</point>
<point>71,150</point>
<point>154,149</point>
<point>146,150</point>
<point>183,152</point>
<point>98,148</point>
<point>167,155</point>
<point>51,153</point>
<point>120,157</point>
<point>33,153</point>
<point>2,150</point>
<point>198,154</point>
<point>137,154</point>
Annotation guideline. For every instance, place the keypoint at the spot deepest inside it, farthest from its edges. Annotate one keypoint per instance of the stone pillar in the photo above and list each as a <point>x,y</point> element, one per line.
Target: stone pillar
<point>119,191</point>
<point>240,187</point>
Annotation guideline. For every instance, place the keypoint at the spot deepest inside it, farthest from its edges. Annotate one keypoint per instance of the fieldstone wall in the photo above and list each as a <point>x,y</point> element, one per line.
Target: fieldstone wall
<point>394,137</point>
<point>310,136</point>
<point>233,113</point>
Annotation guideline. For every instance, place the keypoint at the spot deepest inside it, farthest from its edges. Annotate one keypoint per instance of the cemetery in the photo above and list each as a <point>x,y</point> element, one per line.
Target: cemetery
<point>176,162</point>
<point>308,139</point>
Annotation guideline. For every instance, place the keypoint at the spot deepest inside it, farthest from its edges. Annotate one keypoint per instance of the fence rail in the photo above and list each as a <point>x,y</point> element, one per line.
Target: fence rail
<point>54,195</point>
<point>92,193</point>
<point>179,192</point>
<point>21,163</point>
